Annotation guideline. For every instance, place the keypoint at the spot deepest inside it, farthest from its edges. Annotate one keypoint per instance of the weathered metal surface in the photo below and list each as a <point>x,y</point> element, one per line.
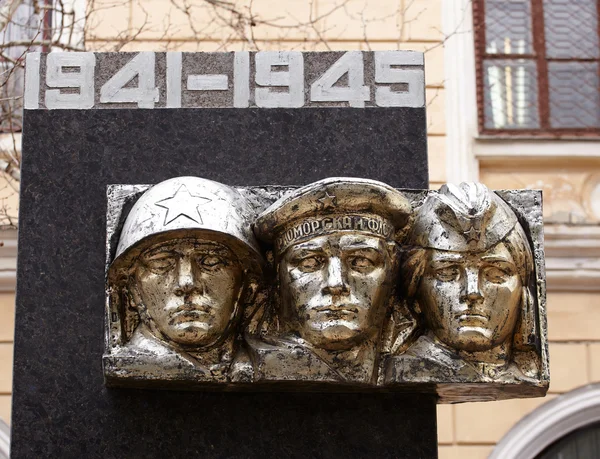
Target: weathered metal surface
<point>355,285</point>
<point>184,276</point>
<point>470,278</point>
<point>335,261</point>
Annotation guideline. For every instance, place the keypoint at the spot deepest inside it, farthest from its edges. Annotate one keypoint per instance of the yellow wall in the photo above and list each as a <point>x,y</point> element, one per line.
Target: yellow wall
<point>7,323</point>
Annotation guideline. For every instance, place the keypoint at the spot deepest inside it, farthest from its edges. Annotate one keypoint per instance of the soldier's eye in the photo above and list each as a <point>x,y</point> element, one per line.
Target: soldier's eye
<point>359,263</point>
<point>211,261</point>
<point>448,273</point>
<point>160,263</point>
<point>310,264</point>
<point>496,275</point>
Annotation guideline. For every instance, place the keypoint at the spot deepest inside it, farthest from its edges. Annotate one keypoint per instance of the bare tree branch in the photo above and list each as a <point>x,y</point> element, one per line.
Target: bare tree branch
<point>225,24</point>
<point>7,9</point>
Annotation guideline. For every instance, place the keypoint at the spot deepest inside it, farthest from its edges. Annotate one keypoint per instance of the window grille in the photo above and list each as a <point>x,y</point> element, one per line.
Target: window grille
<point>538,67</point>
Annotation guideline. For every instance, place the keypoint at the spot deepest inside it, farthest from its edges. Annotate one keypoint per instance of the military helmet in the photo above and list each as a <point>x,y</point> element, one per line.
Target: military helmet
<point>184,207</point>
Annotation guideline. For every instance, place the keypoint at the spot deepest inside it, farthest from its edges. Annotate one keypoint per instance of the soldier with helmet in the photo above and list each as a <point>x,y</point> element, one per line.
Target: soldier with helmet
<point>469,278</point>
<point>186,267</point>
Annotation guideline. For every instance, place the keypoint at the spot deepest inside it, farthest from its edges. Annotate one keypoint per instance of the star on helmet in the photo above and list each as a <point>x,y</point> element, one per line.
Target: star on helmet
<point>465,217</point>
<point>183,204</point>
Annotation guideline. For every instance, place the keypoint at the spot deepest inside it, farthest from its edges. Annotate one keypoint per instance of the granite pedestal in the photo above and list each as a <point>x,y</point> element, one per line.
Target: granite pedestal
<point>61,408</point>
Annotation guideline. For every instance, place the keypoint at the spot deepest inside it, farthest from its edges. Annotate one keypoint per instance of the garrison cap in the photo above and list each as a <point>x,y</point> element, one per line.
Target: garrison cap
<point>461,218</point>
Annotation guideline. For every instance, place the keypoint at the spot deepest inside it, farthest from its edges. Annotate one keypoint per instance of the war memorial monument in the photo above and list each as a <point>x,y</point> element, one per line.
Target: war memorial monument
<point>237,255</point>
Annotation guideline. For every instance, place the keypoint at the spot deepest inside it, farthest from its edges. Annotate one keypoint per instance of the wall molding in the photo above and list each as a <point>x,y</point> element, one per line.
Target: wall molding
<point>460,88</point>
<point>536,148</point>
<point>550,422</point>
<point>572,257</point>
<point>8,261</point>
<point>4,440</point>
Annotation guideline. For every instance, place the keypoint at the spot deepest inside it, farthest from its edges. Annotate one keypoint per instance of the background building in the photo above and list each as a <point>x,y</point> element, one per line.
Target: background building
<point>513,100</point>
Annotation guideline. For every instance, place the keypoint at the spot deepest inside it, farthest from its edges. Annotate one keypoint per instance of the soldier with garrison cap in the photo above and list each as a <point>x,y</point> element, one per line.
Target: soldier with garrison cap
<point>335,255</point>
<point>186,267</point>
<point>470,280</point>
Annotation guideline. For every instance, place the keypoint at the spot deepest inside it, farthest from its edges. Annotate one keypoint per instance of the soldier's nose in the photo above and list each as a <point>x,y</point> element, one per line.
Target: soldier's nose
<point>472,287</point>
<point>185,277</point>
<point>335,284</point>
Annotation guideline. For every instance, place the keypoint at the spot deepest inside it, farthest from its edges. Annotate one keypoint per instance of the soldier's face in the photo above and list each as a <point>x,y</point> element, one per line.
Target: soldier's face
<point>189,288</point>
<point>336,287</point>
<point>471,301</point>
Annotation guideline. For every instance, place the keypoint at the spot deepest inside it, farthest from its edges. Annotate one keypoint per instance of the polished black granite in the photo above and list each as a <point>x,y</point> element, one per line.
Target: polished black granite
<point>61,408</point>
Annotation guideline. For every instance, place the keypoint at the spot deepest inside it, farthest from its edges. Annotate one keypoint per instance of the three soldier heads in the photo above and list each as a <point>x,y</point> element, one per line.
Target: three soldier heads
<point>189,264</point>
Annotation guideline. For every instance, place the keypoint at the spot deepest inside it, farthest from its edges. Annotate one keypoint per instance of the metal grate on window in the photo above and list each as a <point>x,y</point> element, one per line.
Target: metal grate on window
<point>508,27</point>
<point>571,29</point>
<point>538,66</point>
<point>510,92</point>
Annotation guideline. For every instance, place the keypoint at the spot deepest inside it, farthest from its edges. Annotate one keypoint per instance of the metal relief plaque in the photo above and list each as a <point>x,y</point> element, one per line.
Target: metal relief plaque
<point>335,262</point>
<point>340,284</point>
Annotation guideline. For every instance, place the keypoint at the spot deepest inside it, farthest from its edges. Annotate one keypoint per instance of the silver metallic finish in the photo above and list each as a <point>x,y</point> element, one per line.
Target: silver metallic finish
<point>189,203</point>
<point>185,268</point>
<point>469,277</point>
<point>335,257</point>
<point>363,287</point>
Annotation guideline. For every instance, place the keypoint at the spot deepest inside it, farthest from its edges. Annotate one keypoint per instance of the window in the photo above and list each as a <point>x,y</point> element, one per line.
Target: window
<point>538,67</point>
<point>568,421</point>
<point>580,444</point>
<point>29,24</point>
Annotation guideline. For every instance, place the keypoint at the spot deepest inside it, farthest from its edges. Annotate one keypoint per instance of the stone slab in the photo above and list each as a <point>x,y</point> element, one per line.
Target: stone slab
<point>61,406</point>
<point>242,79</point>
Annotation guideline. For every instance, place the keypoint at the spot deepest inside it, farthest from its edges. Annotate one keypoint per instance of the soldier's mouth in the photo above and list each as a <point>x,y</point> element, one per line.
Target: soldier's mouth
<point>192,309</point>
<point>472,317</point>
<point>337,309</point>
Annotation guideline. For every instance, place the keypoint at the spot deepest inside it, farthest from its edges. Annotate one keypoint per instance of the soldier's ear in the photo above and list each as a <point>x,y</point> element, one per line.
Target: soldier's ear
<point>133,293</point>
<point>251,290</point>
<point>526,336</point>
<point>394,252</point>
<point>417,307</point>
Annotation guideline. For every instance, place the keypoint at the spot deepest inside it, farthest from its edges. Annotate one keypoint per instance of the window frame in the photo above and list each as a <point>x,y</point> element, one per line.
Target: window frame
<point>539,56</point>
<point>550,422</point>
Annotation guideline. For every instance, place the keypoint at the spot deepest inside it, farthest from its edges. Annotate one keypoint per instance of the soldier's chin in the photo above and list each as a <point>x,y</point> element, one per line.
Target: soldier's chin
<point>193,333</point>
<point>336,335</point>
<point>474,339</point>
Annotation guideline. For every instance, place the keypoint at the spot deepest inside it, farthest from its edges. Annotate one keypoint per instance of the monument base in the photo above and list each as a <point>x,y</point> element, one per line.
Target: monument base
<point>61,407</point>
<point>158,424</point>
